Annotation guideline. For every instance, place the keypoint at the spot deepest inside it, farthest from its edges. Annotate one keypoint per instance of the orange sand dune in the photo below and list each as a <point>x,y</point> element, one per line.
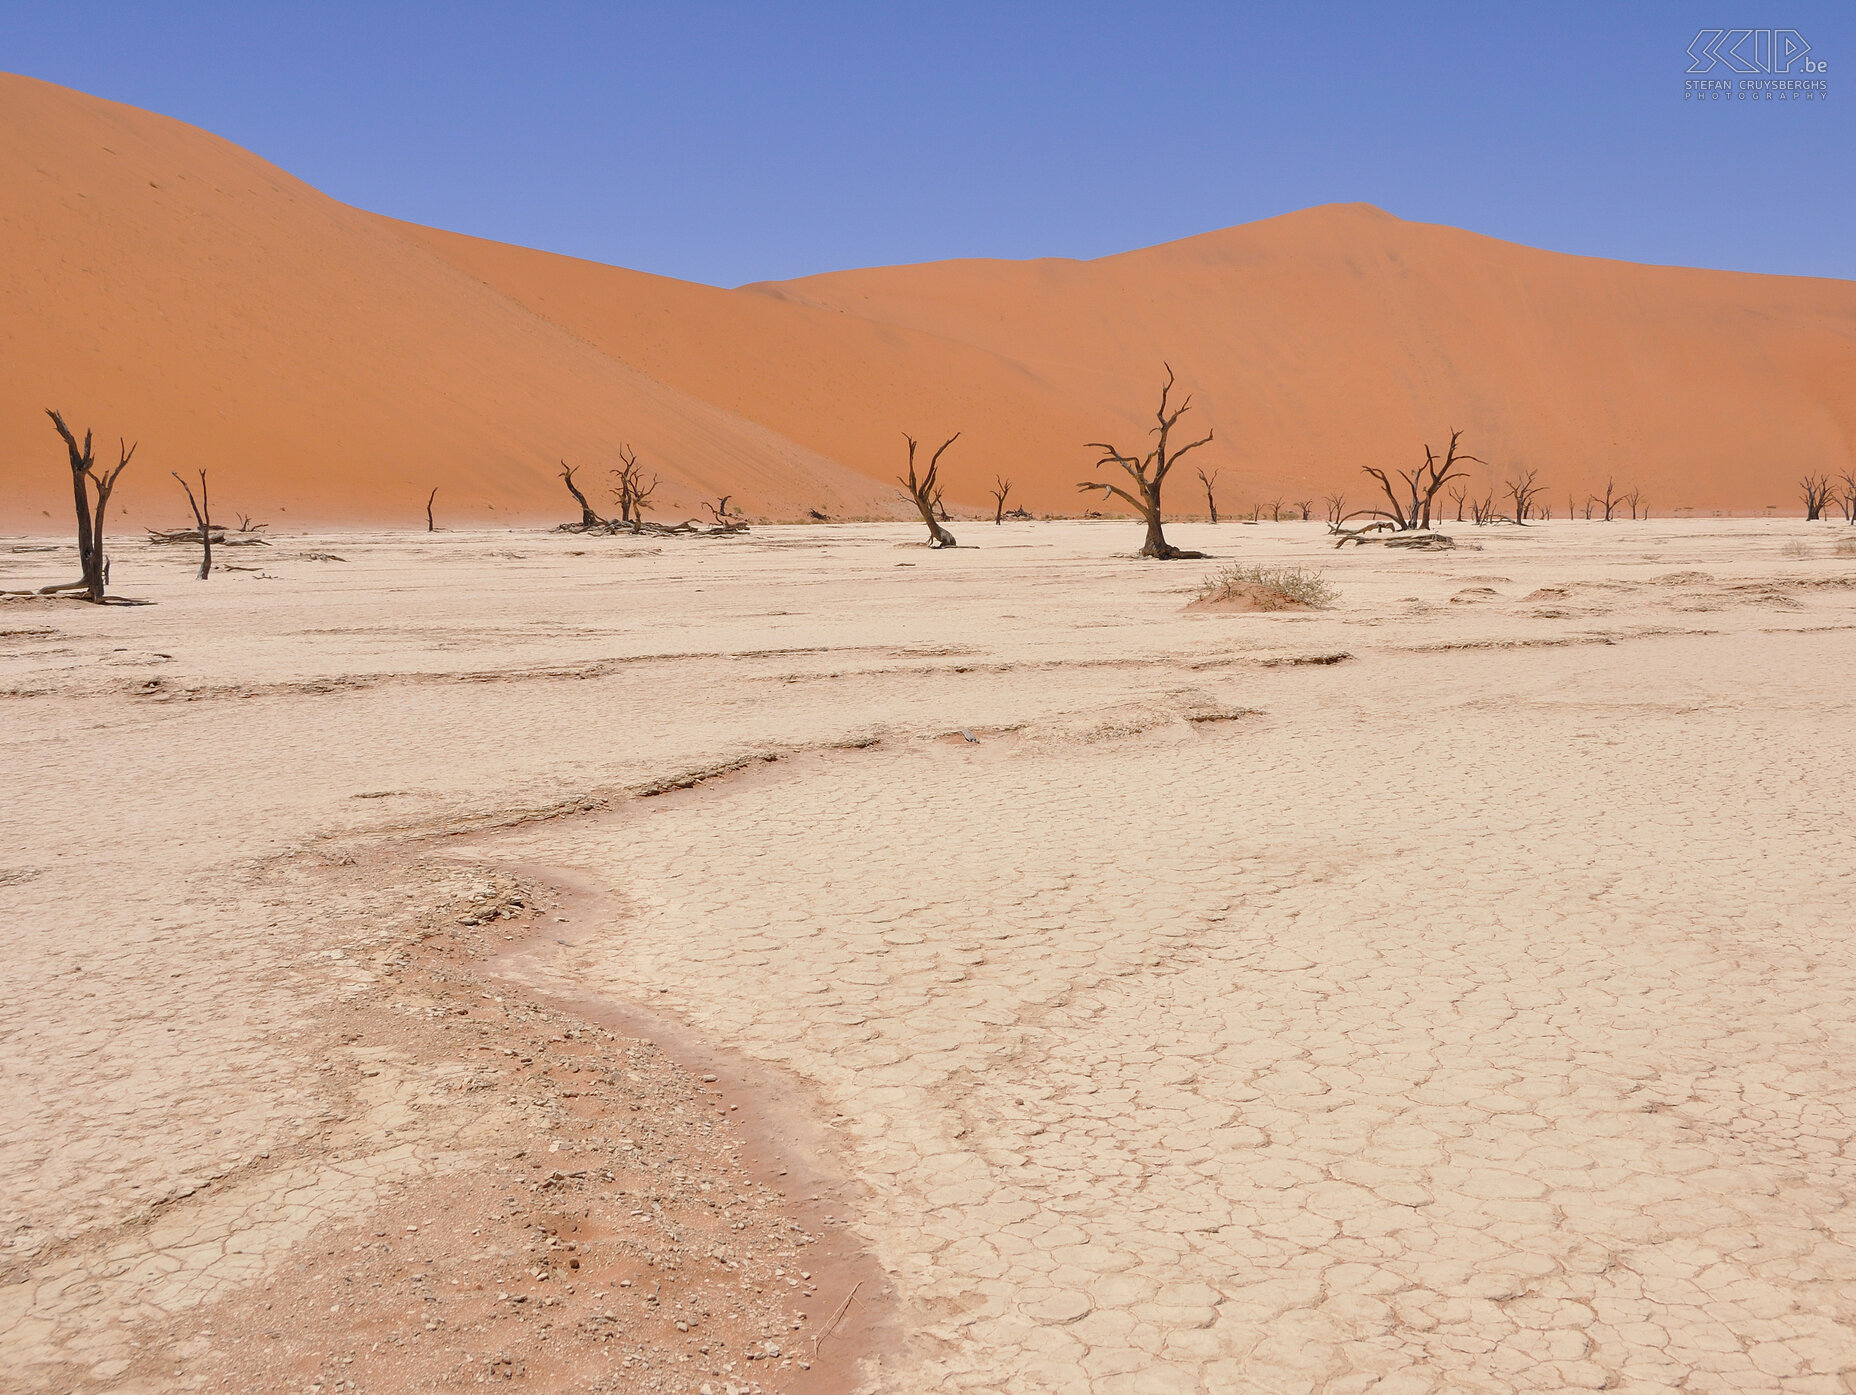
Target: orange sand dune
<point>1339,336</point>
<point>163,284</point>
<point>331,365</point>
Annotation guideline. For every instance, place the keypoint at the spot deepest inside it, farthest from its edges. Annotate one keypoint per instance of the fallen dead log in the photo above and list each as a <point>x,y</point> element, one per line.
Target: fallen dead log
<point>221,537</point>
<point>1361,535</point>
<point>689,528</point>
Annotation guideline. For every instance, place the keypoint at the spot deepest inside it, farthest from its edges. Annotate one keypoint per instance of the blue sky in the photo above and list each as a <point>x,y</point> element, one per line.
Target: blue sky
<point>729,143</point>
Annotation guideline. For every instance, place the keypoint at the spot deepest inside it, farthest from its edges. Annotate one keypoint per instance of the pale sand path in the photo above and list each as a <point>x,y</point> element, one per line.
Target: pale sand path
<point>1469,1018</point>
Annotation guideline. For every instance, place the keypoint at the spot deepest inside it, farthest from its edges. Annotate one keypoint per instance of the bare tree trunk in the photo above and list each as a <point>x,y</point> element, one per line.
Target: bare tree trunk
<point>1211,502</point>
<point>430,526</point>
<point>588,519</point>
<point>1421,484</point>
<point>1000,488</point>
<point>923,491</point>
<point>1525,493</point>
<point>1816,490</point>
<point>84,476</point>
<point>1147,473</point>
<point>202,515</point>
<point>81,463</point>
<point>1609,501</point>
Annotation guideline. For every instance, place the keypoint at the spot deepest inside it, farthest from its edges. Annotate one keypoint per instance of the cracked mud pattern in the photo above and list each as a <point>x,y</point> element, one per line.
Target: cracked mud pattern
<point>1527,1074</point>
<point>1449,991</point>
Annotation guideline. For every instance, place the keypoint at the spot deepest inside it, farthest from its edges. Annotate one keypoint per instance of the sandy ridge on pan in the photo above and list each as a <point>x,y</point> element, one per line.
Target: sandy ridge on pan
<point>1467,1012</point>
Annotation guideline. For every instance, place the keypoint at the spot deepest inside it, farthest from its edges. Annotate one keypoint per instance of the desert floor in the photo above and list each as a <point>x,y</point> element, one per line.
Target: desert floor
<point>805,962</point>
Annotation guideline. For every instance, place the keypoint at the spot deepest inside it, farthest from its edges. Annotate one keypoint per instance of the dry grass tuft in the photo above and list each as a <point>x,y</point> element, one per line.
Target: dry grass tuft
<point>1298,585</point>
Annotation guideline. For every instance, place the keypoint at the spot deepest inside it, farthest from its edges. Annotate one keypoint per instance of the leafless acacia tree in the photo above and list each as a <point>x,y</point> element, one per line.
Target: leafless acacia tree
<point>1849,496</point>
<point>1458,493</point>
<point>588,519</point>
<point>634,493</point>
<point>430,526</point>
<point>1634,501</point>
<point>1524,491</point>
<point>1306,507</point>
<point>1483,510</point>
<point>922,489</point>
<point>1147,473</point>
<point>1411,507</point>
<point>85,476</point>
<point>202,515</point>
<point>1816,491</point>
<point>1337,511</point>
<point>1610,501</point>
<point>1276,509</point>
<point>1211,502</point>
<point>1001,487</point>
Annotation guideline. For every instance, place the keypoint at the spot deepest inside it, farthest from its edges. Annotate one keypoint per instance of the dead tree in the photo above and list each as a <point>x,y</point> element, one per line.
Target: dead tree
<point>726,522</point>
<point>923,491</point>
<point>1421,485</point>
<point>1306,507</point>
<point>1001,487</point>
<point>1337,511</point>
<point>1482,510</point>
<point>588,519</point>
<point>84,477</point>
<point>430,526</point>
<point>1148,473</point>
<point>1848,501</point>
<point>634,493</point>
<point>1211,503</point>
<point>1816,490</point>
<point>940,509</point>
<point>1524,491</point>
<point>202,515</point>
<point>1276,509</point>
<point>1610,501</point>
<point>1634,501</point>
<point>1458,493</point>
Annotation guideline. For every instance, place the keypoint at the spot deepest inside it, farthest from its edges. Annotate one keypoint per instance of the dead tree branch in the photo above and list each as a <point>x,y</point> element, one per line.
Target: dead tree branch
<point>1524,491</point>
<point>924,492</point>
<point>1610,501</point>
<point>1001,488</point>
<point>202,515</point>
<point>85,477</point>
<point>588,519</point>
<point>1411,507</point>
<point>1816,491</point>
<point>1148,473</point>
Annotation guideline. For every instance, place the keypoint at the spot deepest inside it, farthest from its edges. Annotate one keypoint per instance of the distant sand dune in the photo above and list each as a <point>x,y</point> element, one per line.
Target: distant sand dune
<point>331,365</point>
